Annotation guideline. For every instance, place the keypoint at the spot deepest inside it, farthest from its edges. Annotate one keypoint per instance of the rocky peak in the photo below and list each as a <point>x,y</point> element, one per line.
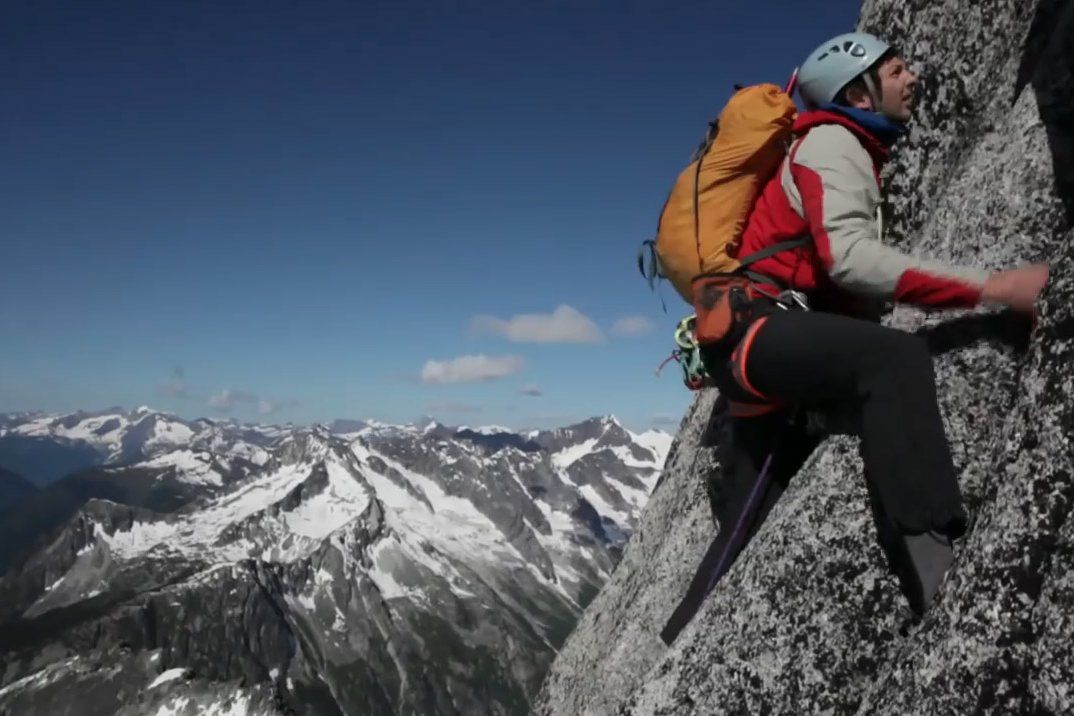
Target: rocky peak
<point>604,429</point>
<point>493,443</point>
<point>305,446</point>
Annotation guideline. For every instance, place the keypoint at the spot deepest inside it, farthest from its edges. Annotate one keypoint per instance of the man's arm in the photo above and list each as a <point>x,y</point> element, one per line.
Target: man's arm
<point>839,195</point>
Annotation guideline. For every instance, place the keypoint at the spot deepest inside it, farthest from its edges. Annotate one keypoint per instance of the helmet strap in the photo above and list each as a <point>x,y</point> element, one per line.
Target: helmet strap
<point>874,91</point>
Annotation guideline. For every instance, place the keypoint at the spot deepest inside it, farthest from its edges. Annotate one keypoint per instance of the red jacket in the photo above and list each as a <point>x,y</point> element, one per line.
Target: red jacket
<point>829,188</point>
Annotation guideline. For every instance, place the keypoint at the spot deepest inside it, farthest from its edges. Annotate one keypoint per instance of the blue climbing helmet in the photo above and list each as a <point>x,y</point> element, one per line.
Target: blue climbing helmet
<point>836,62</point>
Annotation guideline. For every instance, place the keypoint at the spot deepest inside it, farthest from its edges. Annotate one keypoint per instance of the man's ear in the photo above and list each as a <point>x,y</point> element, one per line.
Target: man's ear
<point>857,95</point>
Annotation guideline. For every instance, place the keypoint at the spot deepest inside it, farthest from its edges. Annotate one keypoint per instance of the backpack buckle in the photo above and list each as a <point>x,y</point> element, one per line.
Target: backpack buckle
<point>791,298</point>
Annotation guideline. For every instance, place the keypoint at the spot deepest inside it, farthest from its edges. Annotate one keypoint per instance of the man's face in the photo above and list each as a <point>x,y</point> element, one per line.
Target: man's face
<point>897,84</point>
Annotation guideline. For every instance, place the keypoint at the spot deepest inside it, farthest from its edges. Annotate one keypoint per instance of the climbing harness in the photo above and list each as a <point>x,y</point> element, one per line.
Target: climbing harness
<point>687,353</point>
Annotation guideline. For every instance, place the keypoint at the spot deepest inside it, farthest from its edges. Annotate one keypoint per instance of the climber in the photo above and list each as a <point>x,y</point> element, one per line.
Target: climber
<point>836,357</point>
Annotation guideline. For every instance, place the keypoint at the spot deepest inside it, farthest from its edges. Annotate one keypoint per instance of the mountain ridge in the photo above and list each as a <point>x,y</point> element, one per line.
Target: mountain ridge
<point>356,564</point>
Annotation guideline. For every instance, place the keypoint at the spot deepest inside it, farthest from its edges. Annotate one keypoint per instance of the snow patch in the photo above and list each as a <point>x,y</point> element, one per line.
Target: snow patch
<point>41,678</point>
<point>603,508</point>
<point>169,675</point>
<point>306,601</point>
<point>386,584</point>
<point>195,468</point>
<point>194,533</point>
<point>635,497</point>
<point>559,543</point>
<point>169,432</point>
<point>487,429</point>
<point>85,430</point>
<point>625,456</point>
<point>454,526</point>
<point>239,706</point>
<point>324,513</point>
<point>656,441</point>
<point>565,457</point>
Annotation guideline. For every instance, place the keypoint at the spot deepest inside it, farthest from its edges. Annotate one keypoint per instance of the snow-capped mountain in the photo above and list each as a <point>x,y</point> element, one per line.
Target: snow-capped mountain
<point>377,569</point>
<point>31,444</point>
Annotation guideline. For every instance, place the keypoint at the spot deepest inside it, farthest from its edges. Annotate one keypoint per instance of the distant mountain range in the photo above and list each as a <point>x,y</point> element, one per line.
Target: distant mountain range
<point>172,566</point>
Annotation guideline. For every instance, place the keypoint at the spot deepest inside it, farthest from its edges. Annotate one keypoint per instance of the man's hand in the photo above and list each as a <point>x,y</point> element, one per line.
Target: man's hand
<point>1017,288</point>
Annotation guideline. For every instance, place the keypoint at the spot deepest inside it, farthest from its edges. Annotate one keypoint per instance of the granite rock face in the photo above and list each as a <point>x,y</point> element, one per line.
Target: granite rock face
<point>809,620</point>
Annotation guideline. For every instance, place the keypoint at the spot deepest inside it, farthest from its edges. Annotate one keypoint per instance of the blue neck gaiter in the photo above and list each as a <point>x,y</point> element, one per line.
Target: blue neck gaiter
<point>886,129</point>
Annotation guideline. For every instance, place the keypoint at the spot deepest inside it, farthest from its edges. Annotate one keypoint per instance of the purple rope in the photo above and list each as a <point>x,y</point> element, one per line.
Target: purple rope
<point>762,480</point>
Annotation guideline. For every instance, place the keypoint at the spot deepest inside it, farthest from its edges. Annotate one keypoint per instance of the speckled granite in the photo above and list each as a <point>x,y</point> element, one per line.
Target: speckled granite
<point>808,621</point>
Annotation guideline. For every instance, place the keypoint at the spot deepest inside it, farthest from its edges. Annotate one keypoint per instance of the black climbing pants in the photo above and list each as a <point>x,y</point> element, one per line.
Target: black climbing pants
<point>884,379</point>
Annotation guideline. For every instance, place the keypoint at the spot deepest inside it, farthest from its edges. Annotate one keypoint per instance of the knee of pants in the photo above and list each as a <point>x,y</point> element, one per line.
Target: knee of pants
<point>903,353</point>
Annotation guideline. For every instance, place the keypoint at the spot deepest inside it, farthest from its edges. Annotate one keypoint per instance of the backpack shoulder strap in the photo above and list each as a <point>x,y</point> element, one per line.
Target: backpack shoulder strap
<point>781,245</point>
<point>772,250</point>
<point>775,248</point>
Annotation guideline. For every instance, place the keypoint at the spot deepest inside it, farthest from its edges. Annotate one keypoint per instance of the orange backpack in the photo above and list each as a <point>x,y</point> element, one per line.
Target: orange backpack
<point>701,224</point>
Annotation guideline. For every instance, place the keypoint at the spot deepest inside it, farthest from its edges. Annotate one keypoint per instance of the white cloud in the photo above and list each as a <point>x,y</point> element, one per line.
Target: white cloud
<point>564,325</point>
<point>531,390</point>
<point>470,369</point>
<point>268,407</point>
<point>228,398</point>
<point>632,326</point>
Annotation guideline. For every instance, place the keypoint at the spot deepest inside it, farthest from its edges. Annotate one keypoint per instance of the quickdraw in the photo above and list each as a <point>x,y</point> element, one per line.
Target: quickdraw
<point>687,355</point>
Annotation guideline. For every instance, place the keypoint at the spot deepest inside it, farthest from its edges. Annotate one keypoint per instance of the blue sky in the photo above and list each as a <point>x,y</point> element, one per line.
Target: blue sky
<point>309,210</point>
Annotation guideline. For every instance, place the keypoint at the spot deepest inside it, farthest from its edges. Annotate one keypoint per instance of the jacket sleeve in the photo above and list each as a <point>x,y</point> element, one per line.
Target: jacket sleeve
<point>839,192</point>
